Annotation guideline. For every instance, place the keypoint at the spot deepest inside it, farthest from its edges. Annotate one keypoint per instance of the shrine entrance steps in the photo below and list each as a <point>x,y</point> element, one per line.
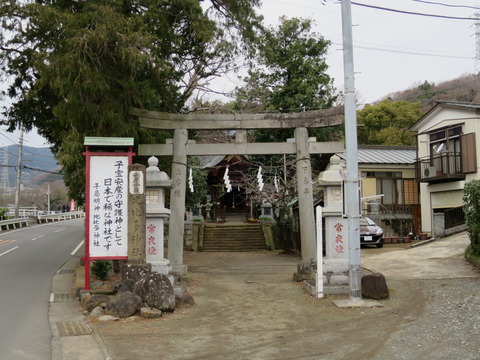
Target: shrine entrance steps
<point>233,237</point>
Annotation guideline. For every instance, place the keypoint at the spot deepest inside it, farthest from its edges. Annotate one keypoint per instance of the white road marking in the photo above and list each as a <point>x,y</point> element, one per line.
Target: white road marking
<point>77,248</point>
<point>59,230</point>
<point>38,237</point>
<point>6,252</point>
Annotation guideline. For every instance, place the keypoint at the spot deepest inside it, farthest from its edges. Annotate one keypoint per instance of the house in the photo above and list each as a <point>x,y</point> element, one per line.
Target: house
<point>390,195</point>
<point>446,160</point>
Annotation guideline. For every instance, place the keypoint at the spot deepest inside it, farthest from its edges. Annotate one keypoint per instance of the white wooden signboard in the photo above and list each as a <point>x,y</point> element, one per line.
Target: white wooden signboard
<point>108,198</point>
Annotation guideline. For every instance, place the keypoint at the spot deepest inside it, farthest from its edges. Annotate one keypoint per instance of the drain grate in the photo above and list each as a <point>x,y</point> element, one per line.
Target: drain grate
<point>58,297</point>
<point>73,328</point>
<point>66,271</point>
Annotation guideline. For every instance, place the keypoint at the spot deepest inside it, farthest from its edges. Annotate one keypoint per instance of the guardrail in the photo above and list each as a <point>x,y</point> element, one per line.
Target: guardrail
<point>45,218</point>
<point>13,223</point>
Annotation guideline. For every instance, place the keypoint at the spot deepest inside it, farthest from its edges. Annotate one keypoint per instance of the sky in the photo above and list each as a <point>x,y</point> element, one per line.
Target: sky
<point>393,51</point>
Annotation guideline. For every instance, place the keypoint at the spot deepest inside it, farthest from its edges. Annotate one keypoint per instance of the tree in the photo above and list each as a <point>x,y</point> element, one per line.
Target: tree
<point>290,70</point>
<point>77,68</point>
<point>290,74</point>
<point>388,123</point>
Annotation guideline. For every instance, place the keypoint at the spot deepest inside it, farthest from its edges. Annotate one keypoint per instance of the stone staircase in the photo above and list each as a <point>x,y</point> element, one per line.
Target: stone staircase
<point>233,237</point>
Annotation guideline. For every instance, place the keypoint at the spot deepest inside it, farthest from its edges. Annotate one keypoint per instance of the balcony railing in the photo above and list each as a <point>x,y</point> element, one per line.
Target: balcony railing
<point>439,168</point>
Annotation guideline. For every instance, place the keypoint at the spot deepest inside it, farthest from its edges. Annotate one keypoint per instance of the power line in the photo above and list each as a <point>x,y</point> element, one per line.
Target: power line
<point>413,53</point>
<point>416,13</point>
<point>447,5</point>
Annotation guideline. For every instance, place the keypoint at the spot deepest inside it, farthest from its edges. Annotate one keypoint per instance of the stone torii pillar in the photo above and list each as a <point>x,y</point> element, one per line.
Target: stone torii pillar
<point>177,201</point>
<point>305,196</point>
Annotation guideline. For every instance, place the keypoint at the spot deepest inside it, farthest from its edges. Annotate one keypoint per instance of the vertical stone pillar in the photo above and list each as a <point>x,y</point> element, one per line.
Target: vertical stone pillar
<point>305,196</point>
<point>136,214</point>
<point>177,201</point>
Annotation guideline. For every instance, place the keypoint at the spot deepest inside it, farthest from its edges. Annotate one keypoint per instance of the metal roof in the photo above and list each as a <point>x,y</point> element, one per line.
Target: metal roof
<point>385,155</point>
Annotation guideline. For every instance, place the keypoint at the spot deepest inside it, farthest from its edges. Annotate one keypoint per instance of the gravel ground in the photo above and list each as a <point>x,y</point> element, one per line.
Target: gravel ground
<point>447,328</point>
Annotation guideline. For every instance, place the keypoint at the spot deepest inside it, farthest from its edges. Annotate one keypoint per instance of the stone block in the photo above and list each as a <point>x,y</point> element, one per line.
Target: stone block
<point>150,313</point>
<point>374,286</point>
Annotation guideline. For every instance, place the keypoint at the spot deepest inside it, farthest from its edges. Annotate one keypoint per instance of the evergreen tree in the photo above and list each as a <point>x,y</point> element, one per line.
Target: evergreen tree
<point>77,68</point>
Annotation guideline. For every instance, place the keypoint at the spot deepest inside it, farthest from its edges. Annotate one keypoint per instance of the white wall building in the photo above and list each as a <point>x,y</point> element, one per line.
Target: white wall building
<point>446,160</point>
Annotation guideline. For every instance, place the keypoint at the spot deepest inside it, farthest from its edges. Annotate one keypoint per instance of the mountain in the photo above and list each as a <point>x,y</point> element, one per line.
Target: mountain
<point>37,165</point>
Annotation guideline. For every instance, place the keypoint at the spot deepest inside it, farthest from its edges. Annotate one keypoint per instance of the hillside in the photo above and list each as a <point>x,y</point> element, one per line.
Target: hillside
<point>462,89</point>
<point>37,165</point>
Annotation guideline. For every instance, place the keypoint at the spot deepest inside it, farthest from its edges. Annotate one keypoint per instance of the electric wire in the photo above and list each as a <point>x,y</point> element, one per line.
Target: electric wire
<point>415,13</point>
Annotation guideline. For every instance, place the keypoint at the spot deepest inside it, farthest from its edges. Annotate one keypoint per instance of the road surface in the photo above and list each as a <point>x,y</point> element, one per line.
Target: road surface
<point>29,257</point>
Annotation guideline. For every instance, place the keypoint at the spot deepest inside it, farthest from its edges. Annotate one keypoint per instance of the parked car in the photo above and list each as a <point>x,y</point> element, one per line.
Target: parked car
<point>370,233</point>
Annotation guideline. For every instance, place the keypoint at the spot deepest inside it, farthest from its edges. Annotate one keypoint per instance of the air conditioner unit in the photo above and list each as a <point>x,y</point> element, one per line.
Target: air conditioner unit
<point>429,171</point>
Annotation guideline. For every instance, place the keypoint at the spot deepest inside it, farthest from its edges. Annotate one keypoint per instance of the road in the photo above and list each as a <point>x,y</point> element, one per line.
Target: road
<point>29,258</point>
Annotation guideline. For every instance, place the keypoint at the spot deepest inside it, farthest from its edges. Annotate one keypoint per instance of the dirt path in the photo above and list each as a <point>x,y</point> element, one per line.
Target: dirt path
<point>248,307</point>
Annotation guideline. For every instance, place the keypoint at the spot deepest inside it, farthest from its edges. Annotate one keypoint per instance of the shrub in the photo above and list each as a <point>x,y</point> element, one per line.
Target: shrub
<point>3,213</point>
<point>100,269</point>
<point>471,208</point>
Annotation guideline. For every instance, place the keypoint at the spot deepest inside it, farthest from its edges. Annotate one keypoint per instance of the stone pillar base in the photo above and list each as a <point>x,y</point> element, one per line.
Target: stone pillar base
<point>335,276</point>
<point>161,266</point>
<point>181,269</point>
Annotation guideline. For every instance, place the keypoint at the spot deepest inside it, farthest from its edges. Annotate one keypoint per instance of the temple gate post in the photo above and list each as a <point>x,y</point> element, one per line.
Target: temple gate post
<point>305,196</point>
<point>177,201</point>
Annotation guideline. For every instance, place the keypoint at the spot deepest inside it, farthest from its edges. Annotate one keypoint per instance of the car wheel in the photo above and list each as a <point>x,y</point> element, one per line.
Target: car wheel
<point>379,246</point>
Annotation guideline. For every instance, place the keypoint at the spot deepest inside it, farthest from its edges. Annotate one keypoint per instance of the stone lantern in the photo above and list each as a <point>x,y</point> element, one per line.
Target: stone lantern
<point>156,213</point>
<point>335,263</point>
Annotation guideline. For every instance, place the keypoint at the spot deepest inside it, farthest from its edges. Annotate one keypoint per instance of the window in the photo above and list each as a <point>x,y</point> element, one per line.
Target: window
<point>445,150</point>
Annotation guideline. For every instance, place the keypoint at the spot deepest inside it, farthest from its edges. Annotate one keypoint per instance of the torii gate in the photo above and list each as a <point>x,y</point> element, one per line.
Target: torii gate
<point>181,147</point>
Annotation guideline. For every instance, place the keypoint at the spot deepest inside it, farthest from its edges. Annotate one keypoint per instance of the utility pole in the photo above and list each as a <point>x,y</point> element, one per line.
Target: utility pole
<point>352,189</point>
<point>19,173</point>
<point>48,198</point>
<point>5,185</point>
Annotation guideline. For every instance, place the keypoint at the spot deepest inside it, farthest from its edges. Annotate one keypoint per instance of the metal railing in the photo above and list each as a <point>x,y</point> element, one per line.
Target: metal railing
<point>13,223</point>
<point>454,217</point>
<point>439,165</point>
<point>381,213</point>
<point>44,218</point>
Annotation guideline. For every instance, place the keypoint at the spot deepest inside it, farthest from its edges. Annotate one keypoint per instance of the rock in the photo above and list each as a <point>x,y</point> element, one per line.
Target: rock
<point>184,300</point>
<point>116,285</point>
<point>135,271</point>
<point>126,285</point>
<point>84,296</point>
<point>374,286</point>
<point>95,301</point>
<point>156,291</point>
<point>98,311</point>
<point>108,318</point>
<point>150,313</point>
<point>124,305</point>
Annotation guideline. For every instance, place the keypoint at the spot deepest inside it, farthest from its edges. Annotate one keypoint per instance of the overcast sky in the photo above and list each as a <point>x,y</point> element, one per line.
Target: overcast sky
<point>393,51</point>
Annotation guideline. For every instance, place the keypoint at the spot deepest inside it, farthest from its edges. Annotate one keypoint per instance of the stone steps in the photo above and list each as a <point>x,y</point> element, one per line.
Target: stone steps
<point>233,237</point>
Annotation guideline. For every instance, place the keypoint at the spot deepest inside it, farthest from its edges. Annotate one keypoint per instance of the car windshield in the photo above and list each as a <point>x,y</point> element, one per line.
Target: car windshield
<point>366,222</point>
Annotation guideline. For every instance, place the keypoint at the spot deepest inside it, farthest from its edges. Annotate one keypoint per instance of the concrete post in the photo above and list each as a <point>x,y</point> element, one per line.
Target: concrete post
<point>305,196</point>
<point>177,201</point>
